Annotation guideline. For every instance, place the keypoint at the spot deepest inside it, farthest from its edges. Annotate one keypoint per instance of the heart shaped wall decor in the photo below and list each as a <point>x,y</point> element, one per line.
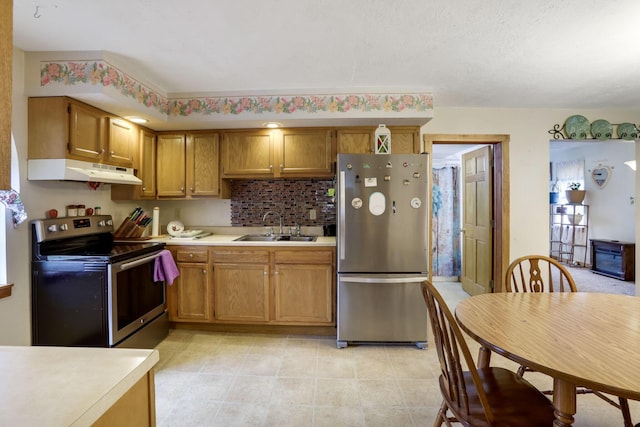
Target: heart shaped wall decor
<point>601,175</point>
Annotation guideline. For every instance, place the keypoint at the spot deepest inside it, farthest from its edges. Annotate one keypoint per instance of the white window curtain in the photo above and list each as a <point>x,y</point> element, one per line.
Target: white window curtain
<point>566,173</point>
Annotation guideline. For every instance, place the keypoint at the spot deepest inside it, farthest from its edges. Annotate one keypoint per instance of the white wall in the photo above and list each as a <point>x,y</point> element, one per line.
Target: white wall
<point>529,161</point>
<point>611,213</point>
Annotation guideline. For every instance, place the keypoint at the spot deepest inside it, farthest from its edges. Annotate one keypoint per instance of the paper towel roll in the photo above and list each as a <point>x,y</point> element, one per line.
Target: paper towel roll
<point>155,223</point>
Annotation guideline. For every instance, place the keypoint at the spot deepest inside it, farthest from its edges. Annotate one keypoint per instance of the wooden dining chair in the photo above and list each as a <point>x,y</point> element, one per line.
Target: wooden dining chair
<point>489,396</point>
<point>540,273</point>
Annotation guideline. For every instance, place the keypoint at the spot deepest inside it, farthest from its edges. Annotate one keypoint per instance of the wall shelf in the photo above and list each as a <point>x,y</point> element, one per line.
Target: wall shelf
<point>569,238</point>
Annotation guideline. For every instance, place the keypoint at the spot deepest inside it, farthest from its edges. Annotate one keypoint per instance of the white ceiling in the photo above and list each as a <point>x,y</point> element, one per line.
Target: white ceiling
<point>468,53</point>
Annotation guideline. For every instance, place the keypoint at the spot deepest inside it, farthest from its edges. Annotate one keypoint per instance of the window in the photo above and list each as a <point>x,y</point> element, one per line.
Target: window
<point>566,173</point>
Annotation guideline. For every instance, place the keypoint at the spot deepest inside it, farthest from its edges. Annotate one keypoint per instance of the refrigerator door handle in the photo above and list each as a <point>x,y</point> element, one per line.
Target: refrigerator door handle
<point>341,216</point>
<point>369,279</point>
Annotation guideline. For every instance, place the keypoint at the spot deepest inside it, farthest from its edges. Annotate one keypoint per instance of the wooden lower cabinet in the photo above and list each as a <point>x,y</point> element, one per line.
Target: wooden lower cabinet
<point>303,293</point>
<point>303,286</point>
<point>241,284</point>
<point>242,292</point>
<point>255,286</point>
<point>189,298</point>
<point>136,408</point>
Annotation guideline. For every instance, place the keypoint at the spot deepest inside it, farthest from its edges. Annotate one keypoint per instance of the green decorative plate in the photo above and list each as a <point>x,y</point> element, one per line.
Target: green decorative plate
<point>601,129</point>
<point>627,131</point>
<point>577,127</point>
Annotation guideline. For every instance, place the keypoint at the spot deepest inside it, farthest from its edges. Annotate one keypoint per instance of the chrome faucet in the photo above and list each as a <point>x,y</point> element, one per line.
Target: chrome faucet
<point>264,219</point>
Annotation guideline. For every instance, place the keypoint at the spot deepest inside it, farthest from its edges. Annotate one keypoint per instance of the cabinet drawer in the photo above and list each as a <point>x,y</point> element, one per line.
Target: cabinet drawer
<point>304,257</point>
<point>192,255</point>
<point>238,256</point>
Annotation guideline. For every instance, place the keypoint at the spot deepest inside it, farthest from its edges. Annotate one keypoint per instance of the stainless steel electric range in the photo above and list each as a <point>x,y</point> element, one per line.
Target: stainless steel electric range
<point>87,290</point>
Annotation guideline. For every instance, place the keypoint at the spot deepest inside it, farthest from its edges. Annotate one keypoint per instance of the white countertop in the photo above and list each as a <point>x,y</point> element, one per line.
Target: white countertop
<point>66,386</point>
<point>228,240</point>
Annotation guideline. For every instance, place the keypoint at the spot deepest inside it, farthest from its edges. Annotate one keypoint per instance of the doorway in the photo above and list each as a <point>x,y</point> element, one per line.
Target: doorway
<point>499,144</point>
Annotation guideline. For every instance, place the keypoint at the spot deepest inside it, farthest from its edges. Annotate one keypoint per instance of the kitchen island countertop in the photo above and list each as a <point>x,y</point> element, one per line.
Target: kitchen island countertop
<point>66,386</point>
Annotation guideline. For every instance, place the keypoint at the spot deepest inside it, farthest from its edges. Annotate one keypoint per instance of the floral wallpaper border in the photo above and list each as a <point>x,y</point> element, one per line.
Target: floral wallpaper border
<point>101,73</point>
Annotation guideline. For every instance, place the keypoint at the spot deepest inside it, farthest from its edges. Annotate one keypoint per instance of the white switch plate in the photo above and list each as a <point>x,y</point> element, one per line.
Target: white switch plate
<point>312,214</point>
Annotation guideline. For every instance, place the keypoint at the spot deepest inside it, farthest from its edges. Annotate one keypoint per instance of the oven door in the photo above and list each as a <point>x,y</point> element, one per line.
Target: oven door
<point>135,298</point>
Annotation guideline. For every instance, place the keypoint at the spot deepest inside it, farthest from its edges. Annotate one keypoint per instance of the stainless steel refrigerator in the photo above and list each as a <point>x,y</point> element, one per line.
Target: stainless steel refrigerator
<point>383,248</point>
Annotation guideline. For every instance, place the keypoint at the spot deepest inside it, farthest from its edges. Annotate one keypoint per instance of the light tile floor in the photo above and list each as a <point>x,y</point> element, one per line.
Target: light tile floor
<point>220,379</point>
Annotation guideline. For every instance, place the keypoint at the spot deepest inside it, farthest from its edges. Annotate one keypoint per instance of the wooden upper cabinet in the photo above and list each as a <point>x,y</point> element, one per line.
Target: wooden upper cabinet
<point>187,165</point>
<point>355,141</point>
<point>404,140</point>
<point>203,154</point>
<point>64,128</point>
<point>123,141</point>
<point>171,165</point>
<point>278,153</point>
<point>247,153</point>
<point>306,152</point>
<point>86,133</point>
<point>147,164</point>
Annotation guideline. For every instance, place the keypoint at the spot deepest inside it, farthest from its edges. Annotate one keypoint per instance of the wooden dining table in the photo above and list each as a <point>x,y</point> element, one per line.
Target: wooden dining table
<point>579,339</point>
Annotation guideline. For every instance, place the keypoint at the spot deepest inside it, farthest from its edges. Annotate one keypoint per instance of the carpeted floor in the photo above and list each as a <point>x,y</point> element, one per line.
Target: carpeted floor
<point>587,281</point>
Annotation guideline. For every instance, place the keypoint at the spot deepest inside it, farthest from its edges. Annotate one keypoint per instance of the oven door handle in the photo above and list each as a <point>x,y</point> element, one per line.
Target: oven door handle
<point>128,265</point>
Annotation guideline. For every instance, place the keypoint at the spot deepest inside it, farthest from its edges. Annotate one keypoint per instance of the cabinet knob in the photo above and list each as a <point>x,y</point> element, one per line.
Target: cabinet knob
<point>281,167</point>
<point>270,168</point>
<point>190,255</point>
<point>204,271</point>
<point>111,153</point>
<point>181,188</point>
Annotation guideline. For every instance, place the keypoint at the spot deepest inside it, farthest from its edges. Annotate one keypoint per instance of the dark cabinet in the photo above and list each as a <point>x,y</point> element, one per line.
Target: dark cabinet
<point>613,258</point>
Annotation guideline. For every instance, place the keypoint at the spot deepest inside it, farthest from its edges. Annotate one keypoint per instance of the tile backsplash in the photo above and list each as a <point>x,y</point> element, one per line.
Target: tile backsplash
<point>293,199</point>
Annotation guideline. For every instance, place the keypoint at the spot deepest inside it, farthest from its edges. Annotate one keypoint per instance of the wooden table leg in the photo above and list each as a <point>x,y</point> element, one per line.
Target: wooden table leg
<point>484,357</point>
<point>564,402</point>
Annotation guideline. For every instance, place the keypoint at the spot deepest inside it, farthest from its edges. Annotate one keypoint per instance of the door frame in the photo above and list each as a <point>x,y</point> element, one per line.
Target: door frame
<point>501,198</point>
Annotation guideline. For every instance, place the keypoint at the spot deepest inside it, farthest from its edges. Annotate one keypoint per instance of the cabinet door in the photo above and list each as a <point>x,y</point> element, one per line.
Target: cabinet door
<point>304,293</point>
<point>86,133</point>
<point>147,172</point>
<point>171,155</point>
<point>203,151</point>
<point>123,142</point>
<point>247,153</point>
<point>306,152</point>
<point>405,140</point>
<point>241,292</point>
<point>192,294</point>
<point>356,141</point>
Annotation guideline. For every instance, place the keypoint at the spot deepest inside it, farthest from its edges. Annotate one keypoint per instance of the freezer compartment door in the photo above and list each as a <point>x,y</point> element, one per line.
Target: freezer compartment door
<point>381,308</point>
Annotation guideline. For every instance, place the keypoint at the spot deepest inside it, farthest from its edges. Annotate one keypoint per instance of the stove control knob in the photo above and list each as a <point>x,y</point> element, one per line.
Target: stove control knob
<point>64,227</point>
<point>109,222</point>
<point>52,228</point>
<point>101,223</point>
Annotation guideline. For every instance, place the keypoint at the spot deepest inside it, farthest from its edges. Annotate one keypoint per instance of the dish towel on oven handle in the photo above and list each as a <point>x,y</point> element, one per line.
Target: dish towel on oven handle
<point>165,268</point>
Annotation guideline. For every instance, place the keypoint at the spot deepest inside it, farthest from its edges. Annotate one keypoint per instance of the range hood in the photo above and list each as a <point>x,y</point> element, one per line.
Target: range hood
<point>76,170</point>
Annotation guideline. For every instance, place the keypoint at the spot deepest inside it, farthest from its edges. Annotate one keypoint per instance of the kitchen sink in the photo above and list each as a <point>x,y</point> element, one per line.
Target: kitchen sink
<point>268,238</point>
<point>297,238</point>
